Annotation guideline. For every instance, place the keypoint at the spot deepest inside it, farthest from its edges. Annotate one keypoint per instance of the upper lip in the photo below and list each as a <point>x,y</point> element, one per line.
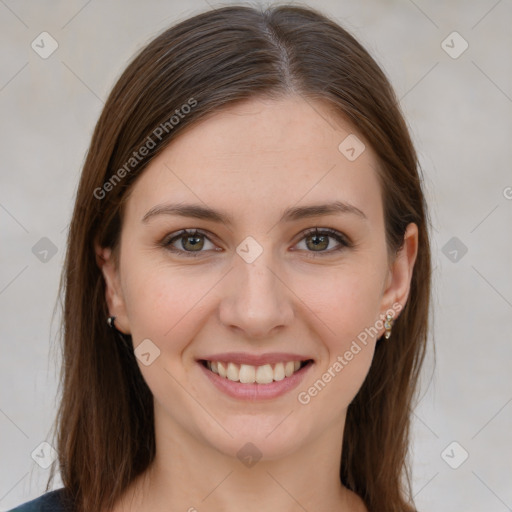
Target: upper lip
<point>254,359</point>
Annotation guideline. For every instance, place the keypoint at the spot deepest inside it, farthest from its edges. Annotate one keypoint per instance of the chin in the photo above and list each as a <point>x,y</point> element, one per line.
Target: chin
<point>254,438</point>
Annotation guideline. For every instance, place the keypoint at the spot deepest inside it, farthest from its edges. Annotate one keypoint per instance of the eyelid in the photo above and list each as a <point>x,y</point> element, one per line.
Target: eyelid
<point>342,239</point>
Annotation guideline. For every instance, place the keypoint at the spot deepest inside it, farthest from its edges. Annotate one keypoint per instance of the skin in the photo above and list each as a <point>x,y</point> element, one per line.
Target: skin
<point>252,161</point>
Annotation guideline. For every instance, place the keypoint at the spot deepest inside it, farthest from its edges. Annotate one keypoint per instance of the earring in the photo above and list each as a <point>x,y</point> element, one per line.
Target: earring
<point>112,325</point>
<point>388,324</point>
<point>123,337</point>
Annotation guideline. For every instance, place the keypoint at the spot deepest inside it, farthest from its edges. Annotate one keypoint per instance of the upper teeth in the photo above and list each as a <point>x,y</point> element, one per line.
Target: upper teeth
<point>249,374</point>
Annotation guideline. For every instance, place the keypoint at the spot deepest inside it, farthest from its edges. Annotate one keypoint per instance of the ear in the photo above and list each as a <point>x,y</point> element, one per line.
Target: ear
<point>113,291</point>
<point>398,281</point>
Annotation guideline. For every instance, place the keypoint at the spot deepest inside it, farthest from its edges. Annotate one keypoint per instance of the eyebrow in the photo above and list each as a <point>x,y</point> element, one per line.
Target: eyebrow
<point>197,211</point>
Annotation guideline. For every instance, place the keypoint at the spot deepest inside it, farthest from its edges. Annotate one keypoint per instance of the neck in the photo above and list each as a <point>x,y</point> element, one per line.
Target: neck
<point>192,476</point>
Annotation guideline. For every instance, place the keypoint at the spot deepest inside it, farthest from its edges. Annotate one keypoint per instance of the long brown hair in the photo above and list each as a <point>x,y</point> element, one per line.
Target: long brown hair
<point>104,427</point>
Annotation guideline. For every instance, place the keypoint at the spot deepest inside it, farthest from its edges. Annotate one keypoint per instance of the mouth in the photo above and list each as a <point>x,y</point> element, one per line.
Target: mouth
<point>268,378</point>
<point>251,374</point>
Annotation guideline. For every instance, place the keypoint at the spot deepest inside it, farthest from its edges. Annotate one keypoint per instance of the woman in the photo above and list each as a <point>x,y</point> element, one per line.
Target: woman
<point>247,279</point>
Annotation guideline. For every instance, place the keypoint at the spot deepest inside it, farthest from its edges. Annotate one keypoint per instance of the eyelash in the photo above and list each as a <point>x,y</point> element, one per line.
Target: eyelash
<point>339,237</point>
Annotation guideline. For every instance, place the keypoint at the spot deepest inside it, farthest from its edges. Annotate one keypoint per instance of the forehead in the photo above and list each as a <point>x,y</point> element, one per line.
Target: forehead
<point>261,157</point>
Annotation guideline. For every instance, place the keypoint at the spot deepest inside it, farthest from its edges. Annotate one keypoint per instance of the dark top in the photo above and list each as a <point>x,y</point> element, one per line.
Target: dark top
<point>51,501</point>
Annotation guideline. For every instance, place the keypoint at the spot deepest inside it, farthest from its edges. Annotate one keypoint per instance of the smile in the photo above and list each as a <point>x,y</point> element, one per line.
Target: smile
<point>249,374</point>
<point>268,377</point>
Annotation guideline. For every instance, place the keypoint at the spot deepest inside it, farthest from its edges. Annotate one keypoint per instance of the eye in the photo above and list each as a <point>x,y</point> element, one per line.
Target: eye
<point>318,241</point>
<point>190,242</point>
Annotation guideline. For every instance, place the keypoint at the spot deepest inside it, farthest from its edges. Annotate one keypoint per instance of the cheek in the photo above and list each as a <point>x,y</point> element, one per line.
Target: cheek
<point>348,308</point>
<point>346,301</point>
<point>164,303</point>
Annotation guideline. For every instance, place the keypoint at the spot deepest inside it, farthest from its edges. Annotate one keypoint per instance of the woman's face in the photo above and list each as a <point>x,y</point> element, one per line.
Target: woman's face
<point>255,291</point>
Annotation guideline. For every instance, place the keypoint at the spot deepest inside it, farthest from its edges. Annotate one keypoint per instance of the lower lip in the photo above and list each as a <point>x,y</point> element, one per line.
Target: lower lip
<point>256,391</point>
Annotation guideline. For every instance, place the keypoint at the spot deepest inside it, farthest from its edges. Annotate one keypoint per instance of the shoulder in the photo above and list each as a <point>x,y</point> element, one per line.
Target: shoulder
<point>52,501</point>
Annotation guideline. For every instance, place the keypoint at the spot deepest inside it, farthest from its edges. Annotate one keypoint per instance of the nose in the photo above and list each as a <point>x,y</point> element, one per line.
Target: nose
<point>256,300</point>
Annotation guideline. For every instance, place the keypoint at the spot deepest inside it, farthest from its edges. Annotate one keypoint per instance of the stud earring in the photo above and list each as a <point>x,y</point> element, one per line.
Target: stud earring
<point>388,324</point>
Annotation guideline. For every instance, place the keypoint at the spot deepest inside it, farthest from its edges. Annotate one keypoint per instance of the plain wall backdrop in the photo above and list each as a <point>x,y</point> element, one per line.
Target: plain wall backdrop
<point>451,66</point>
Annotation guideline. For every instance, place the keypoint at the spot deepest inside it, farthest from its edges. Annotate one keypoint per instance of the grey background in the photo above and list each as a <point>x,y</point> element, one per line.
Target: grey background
<point>460,115</point>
